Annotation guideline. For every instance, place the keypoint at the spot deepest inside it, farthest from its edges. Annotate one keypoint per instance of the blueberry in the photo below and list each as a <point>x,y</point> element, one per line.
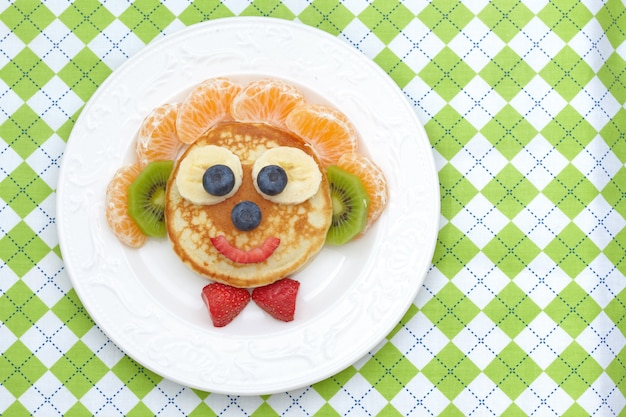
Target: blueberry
<point>218,180</point>
<point>246,215</point>
<point>271,180</point>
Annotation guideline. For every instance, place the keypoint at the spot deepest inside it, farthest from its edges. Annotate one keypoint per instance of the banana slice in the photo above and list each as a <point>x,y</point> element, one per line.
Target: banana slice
<point>194,165</point>
<point>303,174</point>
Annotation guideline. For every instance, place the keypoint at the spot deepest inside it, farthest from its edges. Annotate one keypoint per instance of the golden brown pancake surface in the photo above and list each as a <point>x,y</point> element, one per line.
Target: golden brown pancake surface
<point>301,228</point>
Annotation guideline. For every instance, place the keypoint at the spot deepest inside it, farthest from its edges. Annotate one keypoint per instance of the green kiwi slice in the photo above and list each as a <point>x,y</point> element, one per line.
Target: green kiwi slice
<point>146,198</point>
<point>350,202</point>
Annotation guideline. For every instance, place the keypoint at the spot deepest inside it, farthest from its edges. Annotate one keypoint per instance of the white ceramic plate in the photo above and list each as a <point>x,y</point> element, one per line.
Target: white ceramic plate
<point>350,297</point>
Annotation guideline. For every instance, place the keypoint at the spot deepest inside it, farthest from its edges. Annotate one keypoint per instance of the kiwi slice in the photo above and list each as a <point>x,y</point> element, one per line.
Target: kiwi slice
<point>350,202</point>
<point>146,198</point>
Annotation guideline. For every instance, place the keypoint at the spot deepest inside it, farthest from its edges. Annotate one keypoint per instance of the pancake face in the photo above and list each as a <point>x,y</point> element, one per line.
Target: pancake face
<point>200,232</point>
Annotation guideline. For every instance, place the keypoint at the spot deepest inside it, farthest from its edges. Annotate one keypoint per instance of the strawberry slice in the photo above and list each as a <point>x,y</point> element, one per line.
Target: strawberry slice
<point>278,299</point>
<point>224,302</point>
<point>254,255</point>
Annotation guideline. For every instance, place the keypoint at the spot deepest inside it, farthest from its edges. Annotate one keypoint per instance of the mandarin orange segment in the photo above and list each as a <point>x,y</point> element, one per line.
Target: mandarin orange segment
<point>157,138</point>
<point>116,206</point>
<point>208,103</point>
<point>373,180</point>
<point>266,101</point>
<point>327,129</point>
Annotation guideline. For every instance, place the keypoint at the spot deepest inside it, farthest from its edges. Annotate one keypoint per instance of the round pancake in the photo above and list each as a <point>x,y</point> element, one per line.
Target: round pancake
<point>301,228</point>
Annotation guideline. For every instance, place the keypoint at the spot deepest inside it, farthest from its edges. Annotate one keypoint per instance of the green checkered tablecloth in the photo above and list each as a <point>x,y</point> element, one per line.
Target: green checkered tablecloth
<point>522,311</point>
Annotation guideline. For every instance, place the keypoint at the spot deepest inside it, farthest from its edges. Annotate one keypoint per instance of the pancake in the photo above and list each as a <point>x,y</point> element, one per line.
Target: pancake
<point>301,228</point>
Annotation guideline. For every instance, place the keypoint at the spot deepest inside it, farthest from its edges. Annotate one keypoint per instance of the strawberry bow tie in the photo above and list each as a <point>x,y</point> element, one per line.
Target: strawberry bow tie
<point>225,302</point>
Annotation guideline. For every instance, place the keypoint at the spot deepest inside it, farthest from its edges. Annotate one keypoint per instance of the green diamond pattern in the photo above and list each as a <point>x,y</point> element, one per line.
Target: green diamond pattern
<point>140,380</point>
<point>86,19</point>
<point>509,131</point>
<point>264,410</point>
<point>617,371</point>
<point>516,241</point>
<point>327,410</point>
<point>512,310</point>
<point>572,250</point>
<point>446,20</point>
<point>22,249</point>
<point>65,129</point>
<point>613,78</point>
<point>615,251</point>
<point>513,411</point>
<point>449,132</point>
<point>269,8</point>
<point>84,73</point>
<point>447,74</point>
<point>140,410</point>
<point>20,308</point>
<point>15,410</point>
<point>505,18</point>
<point>147,18</point>
<point>26,74</point>
<point>574,410</point>
<point>571,191</point>
<point>613,134</point>
<point>456,191</point>
<point>453,250</point>
<point>565,18</point>
<point>615,192</point>
<point>513,371</point>
<point>389,410</point>
<point>389,371</point>
<point>575,371</point>
<point>79,369</point>
<point>20,369</point>
<point>507,73</point>
<point>616,310</point>
<point>26,19</point>
<point>451,371</point>
<point>450,310</point>
<point>510,191</point>
<point>401,73</point>
<point>613,20</point>
<point>511,250</point>
<point>328,388</point>
<point>25,132</point>
<point>569,132</point>
<point>71,311</point>
<point>25,188</point>
<point>201,11</point>
<point>332,18</point>
<point>452,411</point>
<point>567,73</point>
<point>385,19</point>
<point>573,309</point>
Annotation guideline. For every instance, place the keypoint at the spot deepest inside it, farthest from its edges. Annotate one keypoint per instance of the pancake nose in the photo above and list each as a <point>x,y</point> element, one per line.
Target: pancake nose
<point>246,215</point>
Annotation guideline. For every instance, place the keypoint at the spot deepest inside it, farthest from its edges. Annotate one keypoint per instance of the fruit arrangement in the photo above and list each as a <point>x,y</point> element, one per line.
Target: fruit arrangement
<point>135,197</point>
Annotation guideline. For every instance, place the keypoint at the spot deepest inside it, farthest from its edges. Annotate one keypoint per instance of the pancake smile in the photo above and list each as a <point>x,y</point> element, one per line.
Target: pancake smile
<point>251,256</point>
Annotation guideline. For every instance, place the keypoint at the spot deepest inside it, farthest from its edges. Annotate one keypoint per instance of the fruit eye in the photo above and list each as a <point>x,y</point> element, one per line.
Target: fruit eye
<point>218,180</point>
<point>209,174</point>
<point>272,179</point>
<point>286,175</point>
